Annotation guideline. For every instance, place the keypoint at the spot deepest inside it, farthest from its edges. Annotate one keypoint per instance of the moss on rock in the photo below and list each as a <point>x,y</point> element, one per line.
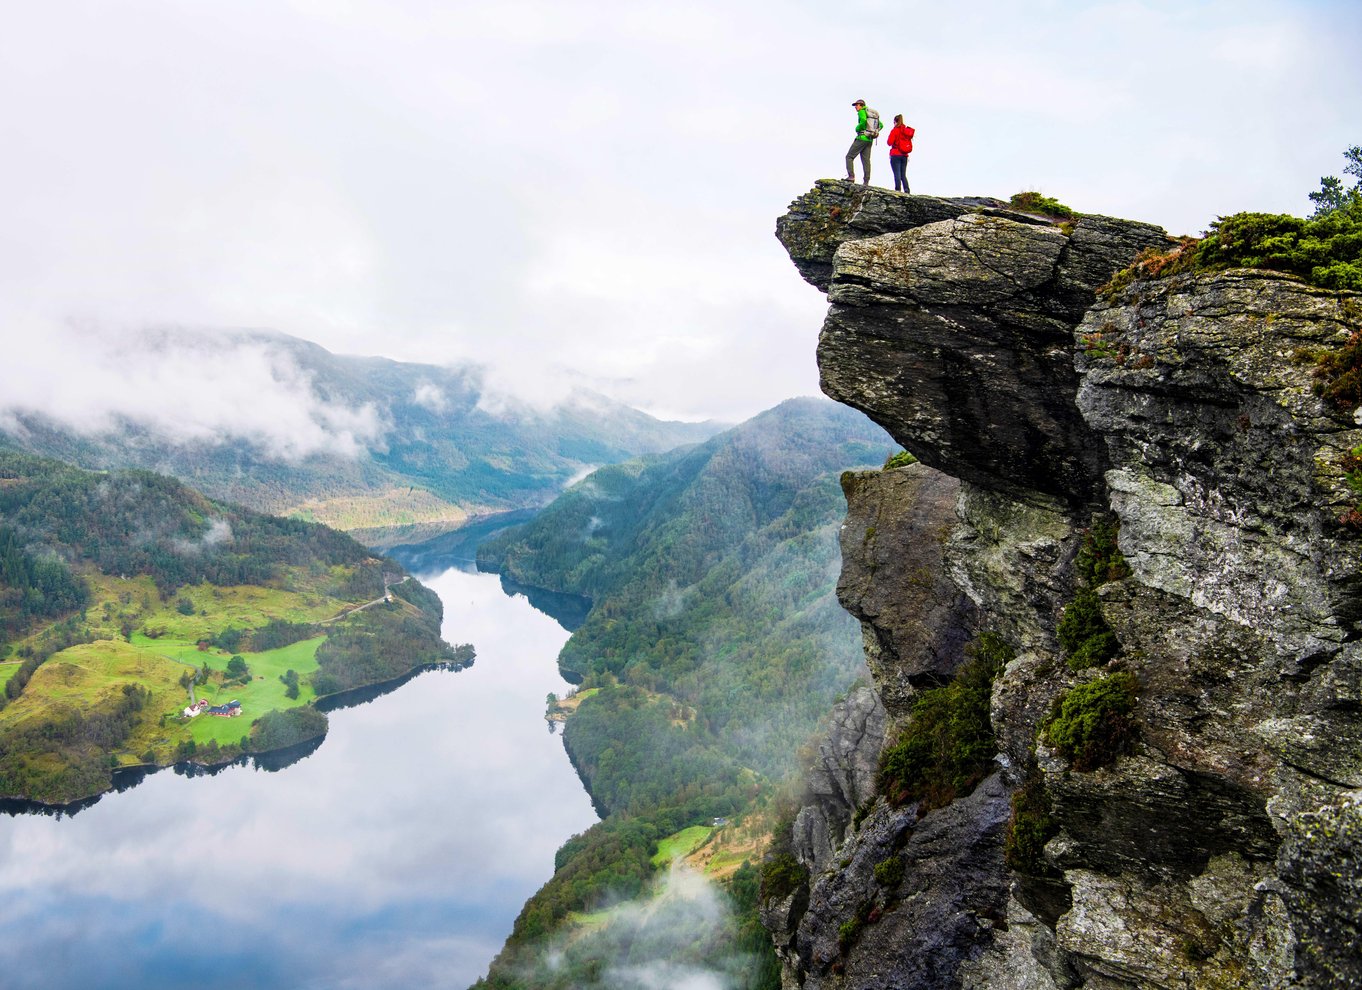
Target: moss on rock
<point>1092,723</point>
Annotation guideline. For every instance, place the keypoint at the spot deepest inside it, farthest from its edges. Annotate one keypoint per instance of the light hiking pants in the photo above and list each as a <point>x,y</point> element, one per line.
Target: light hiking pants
<point>862,148</point>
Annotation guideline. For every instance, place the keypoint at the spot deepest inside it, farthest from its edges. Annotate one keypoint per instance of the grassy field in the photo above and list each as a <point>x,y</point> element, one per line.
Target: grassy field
<point>680,844</point>
<point>588,921</point>
<point>744,840</point>
<point>120,603</point>
<point>264,692</point>
<point>82,676</point>
<point>391,507</point>
<point>162,646</point>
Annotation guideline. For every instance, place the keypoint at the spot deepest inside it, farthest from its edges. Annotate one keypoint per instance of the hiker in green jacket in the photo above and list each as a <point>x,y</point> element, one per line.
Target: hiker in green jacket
<point>867,129</point>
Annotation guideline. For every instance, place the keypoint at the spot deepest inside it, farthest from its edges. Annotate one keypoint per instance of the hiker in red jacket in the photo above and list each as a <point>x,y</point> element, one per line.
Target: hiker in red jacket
<point>900,147</point>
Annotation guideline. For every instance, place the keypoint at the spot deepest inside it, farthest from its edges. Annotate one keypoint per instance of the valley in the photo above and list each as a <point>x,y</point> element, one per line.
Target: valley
<point>712,646</point>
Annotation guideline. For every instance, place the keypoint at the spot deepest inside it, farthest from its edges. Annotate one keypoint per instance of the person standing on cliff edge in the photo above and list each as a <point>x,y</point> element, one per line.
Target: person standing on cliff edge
<point>867,130</point>
<point>900,143</point>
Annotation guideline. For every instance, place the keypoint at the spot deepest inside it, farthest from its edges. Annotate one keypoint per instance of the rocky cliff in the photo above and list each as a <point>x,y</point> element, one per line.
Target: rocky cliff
<point>1143,498</point>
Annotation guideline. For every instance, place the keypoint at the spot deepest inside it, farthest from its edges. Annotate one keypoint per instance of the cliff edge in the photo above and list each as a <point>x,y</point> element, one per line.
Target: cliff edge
<point>1143,504</point>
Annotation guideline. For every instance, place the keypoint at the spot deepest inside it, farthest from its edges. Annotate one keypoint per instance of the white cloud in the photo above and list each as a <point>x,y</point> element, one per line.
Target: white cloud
<point>583,193</point>
<point>94,379</point>
<point>431,397</point>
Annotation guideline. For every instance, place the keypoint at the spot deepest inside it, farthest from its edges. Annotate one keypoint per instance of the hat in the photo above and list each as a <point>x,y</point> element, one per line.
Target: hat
<point>855,102</point>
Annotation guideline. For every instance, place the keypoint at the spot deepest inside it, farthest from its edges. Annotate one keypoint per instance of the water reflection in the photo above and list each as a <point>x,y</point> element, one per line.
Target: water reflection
<point>397,853</point>
<point>459,548</point>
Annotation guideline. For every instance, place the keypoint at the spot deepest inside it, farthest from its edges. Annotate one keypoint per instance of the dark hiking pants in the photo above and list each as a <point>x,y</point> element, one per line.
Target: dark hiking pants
<point>862,148</point>
<point>899,165</point>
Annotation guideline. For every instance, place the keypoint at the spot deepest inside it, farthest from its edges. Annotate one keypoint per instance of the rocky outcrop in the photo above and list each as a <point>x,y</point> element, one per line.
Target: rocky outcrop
<point>1220,849</point>
<point>916,620</point>
<point>954,323</point>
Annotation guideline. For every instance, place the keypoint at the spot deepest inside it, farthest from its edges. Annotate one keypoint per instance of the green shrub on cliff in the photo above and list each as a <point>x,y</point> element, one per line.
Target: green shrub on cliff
<point>1084,635</point>
<point>1092,723</point>
<point>901,459</point>
<point>1032,201</point>
<point>949,744</point>
<point>1086,638</point>
<point>1324,250</point>
<point>1029,827</point>
<point>781,876</point>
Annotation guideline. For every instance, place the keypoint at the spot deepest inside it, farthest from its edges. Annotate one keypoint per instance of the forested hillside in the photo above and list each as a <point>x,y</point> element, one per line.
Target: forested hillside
<point>125,596</point>
<point>442,450</point>
<point>713,643</point>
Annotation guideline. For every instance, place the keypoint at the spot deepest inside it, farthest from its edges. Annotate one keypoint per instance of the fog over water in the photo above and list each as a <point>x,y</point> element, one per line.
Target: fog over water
<point>399,853</point>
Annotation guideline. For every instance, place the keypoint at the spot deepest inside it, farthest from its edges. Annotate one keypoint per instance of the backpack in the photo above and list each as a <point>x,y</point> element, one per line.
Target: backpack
<point>872,124</point>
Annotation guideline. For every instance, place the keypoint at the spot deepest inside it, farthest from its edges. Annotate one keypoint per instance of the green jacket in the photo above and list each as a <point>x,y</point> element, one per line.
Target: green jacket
<point>860,126</point>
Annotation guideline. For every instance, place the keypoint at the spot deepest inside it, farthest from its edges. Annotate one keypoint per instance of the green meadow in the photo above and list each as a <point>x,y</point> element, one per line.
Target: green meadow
<point>264,691</point>
<point>162,646</point>
<point>680,844</point>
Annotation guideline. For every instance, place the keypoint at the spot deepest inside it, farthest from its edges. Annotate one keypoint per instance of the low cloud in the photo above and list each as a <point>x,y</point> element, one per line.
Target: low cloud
<point>430,397</point>
<point>677,937</point>
<point>181,387</point>
<point>219,531</point>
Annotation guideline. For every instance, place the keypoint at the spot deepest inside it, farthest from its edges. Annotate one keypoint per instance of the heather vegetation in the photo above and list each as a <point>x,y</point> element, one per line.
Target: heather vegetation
<point>1323,250</point>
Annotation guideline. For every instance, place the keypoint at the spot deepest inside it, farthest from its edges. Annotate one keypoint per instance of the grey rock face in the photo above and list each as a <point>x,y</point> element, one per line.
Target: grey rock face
<point>860,931</point>
<point>916,620</point>
<point>841,778</point>
<point>1225,465</point>
<point>1222,851</point>
<point>835,211</point>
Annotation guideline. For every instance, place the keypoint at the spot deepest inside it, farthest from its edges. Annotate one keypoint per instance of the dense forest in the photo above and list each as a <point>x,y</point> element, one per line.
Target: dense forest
<point>713,646</point>
<point>123,595</point>
<point>137,522</point>
<point>380,644</point>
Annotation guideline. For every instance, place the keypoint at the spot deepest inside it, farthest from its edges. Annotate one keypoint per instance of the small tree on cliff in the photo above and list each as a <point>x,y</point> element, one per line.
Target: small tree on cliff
<point>1332,196</point>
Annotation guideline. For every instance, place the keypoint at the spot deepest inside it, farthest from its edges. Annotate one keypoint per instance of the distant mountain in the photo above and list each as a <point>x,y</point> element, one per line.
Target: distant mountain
<point>713,644</point>
<point>442,448</point>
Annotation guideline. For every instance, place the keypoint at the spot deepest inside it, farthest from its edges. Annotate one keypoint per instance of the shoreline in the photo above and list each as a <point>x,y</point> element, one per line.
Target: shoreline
<point>128,776</point>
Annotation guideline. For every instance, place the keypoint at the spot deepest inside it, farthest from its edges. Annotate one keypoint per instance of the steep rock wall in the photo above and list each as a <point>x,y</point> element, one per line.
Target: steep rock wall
<point>1220,850</point>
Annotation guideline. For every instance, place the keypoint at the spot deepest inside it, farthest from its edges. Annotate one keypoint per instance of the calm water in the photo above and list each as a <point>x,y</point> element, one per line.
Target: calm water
<point>397,854</point>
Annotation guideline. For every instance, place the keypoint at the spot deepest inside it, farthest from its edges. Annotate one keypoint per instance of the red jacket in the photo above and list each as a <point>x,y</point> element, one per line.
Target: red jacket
<point>901,140</point>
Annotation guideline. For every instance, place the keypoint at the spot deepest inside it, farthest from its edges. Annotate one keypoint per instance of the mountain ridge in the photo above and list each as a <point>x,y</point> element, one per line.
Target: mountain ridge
<point>712,644</point>
<point>421,448</point>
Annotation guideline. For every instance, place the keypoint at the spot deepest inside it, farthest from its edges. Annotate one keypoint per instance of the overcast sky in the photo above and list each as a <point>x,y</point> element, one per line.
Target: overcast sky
<point>586,192</point>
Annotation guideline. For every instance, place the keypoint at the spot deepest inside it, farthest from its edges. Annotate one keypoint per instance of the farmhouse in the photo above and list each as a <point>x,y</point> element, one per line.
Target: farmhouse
<point>195,708</point>
<point>230,710</point>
